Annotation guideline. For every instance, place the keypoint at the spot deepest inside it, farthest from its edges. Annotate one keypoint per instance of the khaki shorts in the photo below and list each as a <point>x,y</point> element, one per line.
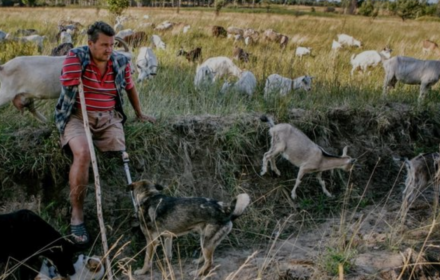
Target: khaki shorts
<point>105,126</point>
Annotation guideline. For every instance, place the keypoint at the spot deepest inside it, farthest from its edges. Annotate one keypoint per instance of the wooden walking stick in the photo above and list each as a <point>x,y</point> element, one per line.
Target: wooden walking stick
<point>97,182</point>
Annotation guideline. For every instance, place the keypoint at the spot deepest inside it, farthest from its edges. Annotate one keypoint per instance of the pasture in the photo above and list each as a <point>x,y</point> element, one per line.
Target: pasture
<point>209,144</point>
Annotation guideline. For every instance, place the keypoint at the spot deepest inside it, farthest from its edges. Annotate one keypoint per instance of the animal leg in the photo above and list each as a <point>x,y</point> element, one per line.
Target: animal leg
<point>322,182</point>
<point>424,88</point>
<point>148,261</point>
<point>298,181</point>
<point>208,255</point>
<point>168,248</point>
<point>270,156</point>
<point>20,102</point>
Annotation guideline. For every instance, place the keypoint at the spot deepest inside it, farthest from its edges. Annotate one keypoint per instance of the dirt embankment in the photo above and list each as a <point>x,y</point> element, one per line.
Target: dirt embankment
<point>219,157</point>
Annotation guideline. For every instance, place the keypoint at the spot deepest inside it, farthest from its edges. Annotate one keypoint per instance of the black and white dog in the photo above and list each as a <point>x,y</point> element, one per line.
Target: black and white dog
<point>24,236</point>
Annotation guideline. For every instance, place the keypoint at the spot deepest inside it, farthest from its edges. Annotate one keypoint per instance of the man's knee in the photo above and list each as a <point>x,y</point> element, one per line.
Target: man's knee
<point>81,153</point>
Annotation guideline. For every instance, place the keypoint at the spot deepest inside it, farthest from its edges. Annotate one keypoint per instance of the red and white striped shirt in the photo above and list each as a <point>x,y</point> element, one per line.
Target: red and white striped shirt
<point>99,88</point>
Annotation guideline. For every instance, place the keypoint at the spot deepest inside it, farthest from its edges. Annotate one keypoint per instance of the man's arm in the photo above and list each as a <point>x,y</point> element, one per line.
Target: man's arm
<point>134,100</point>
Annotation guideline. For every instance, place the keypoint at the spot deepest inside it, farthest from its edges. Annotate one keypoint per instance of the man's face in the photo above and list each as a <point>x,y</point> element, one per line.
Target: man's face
<point>102,48</point>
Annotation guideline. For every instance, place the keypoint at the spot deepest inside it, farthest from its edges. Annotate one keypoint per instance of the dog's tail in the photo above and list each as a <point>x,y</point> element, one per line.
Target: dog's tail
<point>267,119</point>
<point>239,205</point>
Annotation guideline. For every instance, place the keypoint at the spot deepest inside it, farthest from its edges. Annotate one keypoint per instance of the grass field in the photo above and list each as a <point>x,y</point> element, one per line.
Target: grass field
<point>209,144</point>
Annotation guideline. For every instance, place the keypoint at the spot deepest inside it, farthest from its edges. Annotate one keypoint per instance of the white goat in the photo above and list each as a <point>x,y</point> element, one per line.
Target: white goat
<point>246,84</point>
<point>25,78</point>
<point>408,70</point>
<point>222,66</point>
<point>36,39</point>
<point>302,152</point>
<point>369,59</point>
<point>124,33</point>
<point>336,46</point>
<point>204,77</point>
<point>347,40</point>
<point>65,37</point>
<point>301,51</point>
<point>157,42</point>
<point>284,85</point>
<point>146,64</point>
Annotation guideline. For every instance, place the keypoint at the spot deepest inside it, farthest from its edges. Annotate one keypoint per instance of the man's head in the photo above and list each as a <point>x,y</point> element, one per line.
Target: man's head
<point>101,39</point>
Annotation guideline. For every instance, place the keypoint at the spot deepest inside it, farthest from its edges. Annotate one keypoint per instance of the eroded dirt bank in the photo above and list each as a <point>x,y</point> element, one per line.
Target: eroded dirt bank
<point>219,157</point>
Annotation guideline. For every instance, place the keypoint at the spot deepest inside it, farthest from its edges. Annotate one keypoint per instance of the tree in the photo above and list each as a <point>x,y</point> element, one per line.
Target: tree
<point>29,3</point>
<point>406,9</point>
<point>117,6</point>
<point>366,9</point>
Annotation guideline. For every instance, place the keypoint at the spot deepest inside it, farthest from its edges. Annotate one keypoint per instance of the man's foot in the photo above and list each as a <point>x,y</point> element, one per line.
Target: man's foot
<point>79,234</point>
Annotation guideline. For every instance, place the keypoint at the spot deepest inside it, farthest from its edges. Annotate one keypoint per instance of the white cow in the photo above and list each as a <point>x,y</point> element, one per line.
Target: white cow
<point>347,40</point>
<point>222,66</point>
<point>157,42</point>
<point>282,85</point>
<point>146,64</point>
<point>246,84</point>
<point>65,37</point>
<point>369,59</point>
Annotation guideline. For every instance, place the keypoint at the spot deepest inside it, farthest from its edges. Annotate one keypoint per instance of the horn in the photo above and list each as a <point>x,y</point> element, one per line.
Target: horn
<point>123,43</point>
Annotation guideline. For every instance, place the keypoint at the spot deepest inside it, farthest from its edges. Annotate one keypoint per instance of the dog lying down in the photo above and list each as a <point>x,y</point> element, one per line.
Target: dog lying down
<point>162,215</point>
<point>86,268</point>
<point>24,236</point>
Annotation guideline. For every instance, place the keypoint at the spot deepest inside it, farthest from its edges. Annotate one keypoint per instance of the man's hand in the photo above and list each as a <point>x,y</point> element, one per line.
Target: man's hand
<point>143,118</point>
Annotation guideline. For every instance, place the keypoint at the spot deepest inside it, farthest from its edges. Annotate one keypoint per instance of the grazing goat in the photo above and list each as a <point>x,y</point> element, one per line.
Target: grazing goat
<point>430,46</point>
<point>302,51</point>
<point>62,49</point>
<point>36,39</point>
<point>302,152</point>
<point>421,171</point>
<point>2,35</point>
<point>157,42</point>
<point>272,36</point>
<point>125,32</point>
<point>369,59</point>
<point>284,85</point>
<point>240,54</point>
<point>166,25</point>
<point>233,31</point>
<point>347,40</point>
<point>336,46</point>
<point>42,80</point>
<point>65,37</point>
<point>192,55</point>
<point>251,36</point>
<point>408,70</point>
<point>247,83</point>
<point>204,77</point>
<point>222,66</point>
<point>219,31</point>
<point>136,39</point>
<point>146,64</point>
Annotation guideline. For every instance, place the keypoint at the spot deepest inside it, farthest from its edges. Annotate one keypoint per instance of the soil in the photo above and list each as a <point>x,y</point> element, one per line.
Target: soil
<point>302,239</point>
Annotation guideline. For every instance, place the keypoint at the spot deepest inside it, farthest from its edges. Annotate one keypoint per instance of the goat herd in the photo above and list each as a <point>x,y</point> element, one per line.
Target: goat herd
<point>45,84</point>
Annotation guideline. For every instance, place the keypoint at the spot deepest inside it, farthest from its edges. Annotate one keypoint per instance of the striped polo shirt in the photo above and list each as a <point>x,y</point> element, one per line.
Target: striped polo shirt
<point>99,88</point>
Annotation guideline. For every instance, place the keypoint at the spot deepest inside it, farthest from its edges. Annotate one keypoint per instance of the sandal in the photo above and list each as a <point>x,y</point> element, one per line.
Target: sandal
<point>79,234</point>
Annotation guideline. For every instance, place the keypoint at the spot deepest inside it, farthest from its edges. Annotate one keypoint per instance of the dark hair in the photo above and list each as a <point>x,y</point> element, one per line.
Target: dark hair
<point>99,27</point>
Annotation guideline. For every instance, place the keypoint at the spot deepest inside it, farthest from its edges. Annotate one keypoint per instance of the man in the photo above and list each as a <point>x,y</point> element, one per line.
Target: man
<point>104,74</point>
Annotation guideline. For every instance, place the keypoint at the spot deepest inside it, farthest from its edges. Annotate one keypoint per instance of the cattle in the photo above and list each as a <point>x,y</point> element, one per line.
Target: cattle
<point>192,55</point>
<point>146,63</point>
